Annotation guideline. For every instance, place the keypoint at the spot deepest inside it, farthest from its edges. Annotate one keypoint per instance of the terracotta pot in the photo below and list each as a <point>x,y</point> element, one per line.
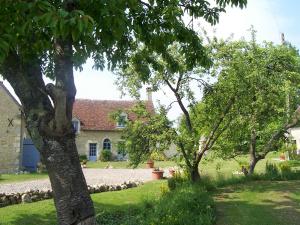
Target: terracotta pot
<point>282,157</point>
<point>157,175</point>
<point>172,173</point>
<point>150,164</point>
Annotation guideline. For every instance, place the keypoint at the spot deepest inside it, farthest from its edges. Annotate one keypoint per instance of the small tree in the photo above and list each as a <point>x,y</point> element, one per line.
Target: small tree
<point>178,76</point>
<point>266,78</point>
<point>148,132</point>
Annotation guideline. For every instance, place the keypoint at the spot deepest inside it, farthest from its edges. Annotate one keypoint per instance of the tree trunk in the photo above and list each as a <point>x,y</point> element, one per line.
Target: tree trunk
<point>50,128</point>
<point>252,165</point>
<point>194,173</point>
<point>71,197</point>
<point>252,152</point>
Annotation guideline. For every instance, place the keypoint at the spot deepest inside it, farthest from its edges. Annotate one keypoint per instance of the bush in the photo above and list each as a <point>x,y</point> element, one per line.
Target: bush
<point>272,171</point>
<point>105,155</point>
<point>187,204</point>
<point>158,156</point>
<point>127,217</point>
<point>285,167</point>
<point>82,158</point>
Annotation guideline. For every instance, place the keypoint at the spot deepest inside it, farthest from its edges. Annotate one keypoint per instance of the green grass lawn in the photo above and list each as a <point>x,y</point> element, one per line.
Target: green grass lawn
<point>12,178</point>
<point>260,202</point>
<point>43,212</point>
<point>208,167</point>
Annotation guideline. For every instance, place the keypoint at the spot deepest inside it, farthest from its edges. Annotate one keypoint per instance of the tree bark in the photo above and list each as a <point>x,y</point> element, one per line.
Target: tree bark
<point>50,128</point>
<point>252,165</point>
<point>71,196</point>
<point>252,152</point>
<point>194,173</point>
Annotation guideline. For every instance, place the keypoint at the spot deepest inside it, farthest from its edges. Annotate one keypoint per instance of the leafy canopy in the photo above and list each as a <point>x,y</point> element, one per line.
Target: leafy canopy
<point>266,79</point>
<point>105,30</point>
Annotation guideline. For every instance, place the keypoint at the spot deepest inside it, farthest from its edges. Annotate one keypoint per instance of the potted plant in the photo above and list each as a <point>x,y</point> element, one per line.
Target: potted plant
<point>282,156</point>
<point>150,164</point>
<point>157,174</point>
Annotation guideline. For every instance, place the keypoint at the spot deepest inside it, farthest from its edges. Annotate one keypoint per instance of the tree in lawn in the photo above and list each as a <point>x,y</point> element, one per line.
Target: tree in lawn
<point>148,133</point>
<point>52,37</point>
<point>200,124</point>
<point>267,79</point>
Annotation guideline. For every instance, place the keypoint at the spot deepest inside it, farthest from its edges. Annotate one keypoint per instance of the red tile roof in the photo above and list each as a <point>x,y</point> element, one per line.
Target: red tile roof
<point>95,114</point>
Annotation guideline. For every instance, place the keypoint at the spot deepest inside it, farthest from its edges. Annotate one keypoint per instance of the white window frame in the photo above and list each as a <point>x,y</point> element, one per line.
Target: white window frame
<point>125,119</point>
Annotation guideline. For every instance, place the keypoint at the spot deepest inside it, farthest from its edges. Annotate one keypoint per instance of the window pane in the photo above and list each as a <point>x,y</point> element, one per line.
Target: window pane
<point>93,149</point>
<point>106,144</point>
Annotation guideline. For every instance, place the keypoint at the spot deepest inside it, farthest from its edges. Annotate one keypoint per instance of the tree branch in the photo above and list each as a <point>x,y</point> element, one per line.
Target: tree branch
<point>181,105</point>
<point>145,4</point>
<point>278,134</point>
<point>213,137</point>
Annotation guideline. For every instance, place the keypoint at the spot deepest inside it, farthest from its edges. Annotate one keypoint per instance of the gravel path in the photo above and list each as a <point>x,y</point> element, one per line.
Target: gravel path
<point>92,176</point>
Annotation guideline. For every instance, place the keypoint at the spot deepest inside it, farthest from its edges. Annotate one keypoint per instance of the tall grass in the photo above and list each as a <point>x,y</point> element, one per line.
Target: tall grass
<point>187,204</point>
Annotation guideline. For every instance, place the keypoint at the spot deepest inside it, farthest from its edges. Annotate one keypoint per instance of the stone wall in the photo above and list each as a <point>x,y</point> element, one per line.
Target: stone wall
<point>10,132</point>
<point>38,195</point>
<point>85,137</point>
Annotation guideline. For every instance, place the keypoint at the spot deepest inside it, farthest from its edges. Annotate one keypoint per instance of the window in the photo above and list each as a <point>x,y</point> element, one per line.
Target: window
<point>76,125</point>
<point>122,120</point>
<point>121,148</point>
<point>106,144</point>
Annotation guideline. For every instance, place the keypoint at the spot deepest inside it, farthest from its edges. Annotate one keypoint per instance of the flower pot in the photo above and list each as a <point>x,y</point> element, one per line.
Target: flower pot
<point>157,174</point>
<point>172,173</point>
<point>149,164</point>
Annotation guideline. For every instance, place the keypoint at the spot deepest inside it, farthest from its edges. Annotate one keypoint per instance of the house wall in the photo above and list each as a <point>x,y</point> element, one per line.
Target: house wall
<point>10,135</point>
<point>86,136</point>
<point>295,135</point>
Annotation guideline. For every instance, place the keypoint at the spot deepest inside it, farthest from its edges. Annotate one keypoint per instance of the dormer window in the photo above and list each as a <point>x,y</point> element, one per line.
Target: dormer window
<point>122,120</point>
<point>76,125</point>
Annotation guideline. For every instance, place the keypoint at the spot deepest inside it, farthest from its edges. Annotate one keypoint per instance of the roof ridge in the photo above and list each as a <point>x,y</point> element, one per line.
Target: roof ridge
<point>111,100</point>
<point>9,94</point>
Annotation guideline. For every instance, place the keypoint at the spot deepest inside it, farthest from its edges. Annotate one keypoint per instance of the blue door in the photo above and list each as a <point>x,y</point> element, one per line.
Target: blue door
<point>93,152</point>
<point>31,156</point>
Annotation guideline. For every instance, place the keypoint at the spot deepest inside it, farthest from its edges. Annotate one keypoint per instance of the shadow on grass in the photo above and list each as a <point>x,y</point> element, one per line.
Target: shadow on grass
<point>262,203</point>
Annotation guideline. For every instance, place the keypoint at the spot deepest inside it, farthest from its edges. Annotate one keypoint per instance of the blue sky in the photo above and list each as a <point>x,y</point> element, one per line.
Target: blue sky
<point>269,17</point>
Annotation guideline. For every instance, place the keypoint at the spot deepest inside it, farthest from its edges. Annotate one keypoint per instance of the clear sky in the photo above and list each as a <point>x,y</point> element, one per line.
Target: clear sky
<point>269,17</point>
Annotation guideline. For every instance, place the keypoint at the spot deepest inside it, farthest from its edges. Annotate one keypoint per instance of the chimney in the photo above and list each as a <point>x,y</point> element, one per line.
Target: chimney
<point>149,93</point>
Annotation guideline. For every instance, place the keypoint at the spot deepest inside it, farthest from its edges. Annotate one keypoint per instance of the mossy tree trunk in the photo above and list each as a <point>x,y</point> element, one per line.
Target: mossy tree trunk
<point>48,113</point>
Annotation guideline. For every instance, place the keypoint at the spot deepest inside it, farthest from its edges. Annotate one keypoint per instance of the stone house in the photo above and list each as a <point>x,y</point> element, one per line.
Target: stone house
<point>295,137</point>
<point>12,131</point>
<point>95,130</point>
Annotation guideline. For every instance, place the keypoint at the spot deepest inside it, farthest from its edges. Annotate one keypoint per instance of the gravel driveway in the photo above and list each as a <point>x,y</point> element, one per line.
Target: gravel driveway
<point>92,176</point>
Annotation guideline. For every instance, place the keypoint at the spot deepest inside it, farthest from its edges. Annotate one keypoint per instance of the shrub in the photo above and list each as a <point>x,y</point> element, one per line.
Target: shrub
<point>120,217</point>
<point>188,204</point>
<point>285,167</point>
<point>158,156</point>
<point>82,158</point>
<point>105,155</point>
<point>272,171</point>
